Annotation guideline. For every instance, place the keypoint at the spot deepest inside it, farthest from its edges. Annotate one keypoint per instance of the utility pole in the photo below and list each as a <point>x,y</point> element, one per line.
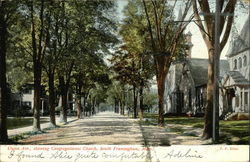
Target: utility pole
<point>216,74</point>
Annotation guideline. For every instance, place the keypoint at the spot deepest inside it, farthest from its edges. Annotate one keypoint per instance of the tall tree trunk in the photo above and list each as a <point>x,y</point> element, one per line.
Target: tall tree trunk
<point>37,98</point>
<point>135,101</point>
<point>3,84</point>
<point>79,107</point>
<point>51,72</point>
<point>122,105</point>
<point>94,106</point>
<point>208,127</point>
<point>37,66</point>
<point>115,109</point>
<point>123,101</point>
<point>141,101</point>
<point>63,112</point>
<point>208,34</point>
<point>161,88</point>
<point>118,106</point>
<point>52,100</point>
<point>79,96</point>
<point>84,104</point>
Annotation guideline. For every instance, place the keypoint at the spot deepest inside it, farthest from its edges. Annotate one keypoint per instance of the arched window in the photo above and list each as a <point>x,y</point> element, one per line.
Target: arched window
<point>240,63</point>
<point>235,64</point>
<point>244,60</point>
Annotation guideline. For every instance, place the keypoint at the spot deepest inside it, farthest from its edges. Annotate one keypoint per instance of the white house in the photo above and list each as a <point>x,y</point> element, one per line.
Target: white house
<point>28,96</point>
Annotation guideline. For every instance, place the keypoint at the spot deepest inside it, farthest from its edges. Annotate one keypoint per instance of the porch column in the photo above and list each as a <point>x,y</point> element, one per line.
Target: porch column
<point>240,100</point>
<point>243,100</point>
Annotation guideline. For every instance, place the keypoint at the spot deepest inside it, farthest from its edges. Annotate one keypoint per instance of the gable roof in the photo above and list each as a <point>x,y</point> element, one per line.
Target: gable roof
<point>242,42</point>
<point>199,69</point>
<point>235,78</point>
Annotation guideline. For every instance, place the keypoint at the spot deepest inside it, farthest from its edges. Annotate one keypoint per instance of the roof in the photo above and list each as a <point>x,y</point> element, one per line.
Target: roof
<point>199,70</point>
<point>238,79</point>
<point>242,42</point>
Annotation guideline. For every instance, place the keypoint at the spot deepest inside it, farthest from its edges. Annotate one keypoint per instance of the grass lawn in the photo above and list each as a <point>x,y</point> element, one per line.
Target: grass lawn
<point>13,123</point>
<point>231,132</point>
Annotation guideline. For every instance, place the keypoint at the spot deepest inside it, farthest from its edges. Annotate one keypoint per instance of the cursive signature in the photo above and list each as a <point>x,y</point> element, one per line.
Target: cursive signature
<point>19,155</point>
<point>61,155</point>
<point>123,156</point>
<point>183,154</point>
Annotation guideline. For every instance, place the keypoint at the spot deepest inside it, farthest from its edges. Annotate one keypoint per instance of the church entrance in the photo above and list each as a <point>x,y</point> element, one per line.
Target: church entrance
<point>230,95</point>
<point>179,101</point>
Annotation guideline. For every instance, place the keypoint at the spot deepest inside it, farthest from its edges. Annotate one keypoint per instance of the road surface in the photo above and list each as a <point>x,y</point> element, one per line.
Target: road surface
<point>108,128</point>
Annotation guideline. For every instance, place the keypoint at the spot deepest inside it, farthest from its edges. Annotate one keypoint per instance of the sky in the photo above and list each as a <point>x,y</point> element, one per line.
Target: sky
<point>199,49</point>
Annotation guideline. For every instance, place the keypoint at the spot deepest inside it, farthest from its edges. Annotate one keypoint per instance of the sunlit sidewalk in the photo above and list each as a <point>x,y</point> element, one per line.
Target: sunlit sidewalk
<point>27,129</point>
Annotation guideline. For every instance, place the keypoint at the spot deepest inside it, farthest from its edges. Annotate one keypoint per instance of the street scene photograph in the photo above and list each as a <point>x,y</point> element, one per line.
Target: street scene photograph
<point>124,80</point>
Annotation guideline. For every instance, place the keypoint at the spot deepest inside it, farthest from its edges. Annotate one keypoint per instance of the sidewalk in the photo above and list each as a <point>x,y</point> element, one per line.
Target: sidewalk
<point>17,131</point>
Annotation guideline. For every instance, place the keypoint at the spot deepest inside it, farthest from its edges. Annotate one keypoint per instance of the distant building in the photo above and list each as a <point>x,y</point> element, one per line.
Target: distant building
<point>236,82</point>
<point>24,100</point>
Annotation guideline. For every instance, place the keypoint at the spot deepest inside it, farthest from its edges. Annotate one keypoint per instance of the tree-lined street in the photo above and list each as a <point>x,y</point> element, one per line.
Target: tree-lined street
<point>93,73</point>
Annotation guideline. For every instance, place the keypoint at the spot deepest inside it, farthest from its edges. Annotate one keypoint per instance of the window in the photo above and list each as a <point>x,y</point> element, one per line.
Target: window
<point>244,60</point>
<point>27,91</point>
<point>27,103</point>
<point>246,98</point>
<point>240,62</point>
<point>235,64</point>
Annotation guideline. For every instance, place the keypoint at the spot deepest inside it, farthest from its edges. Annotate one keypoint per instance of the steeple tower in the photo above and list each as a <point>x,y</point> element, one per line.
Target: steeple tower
<point>179,18</point>
<point>189,44</point>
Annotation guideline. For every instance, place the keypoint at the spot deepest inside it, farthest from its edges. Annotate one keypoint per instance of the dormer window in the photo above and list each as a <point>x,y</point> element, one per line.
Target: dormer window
<point>235,64</point>
<point>244,60</point>
<point>240,63</point>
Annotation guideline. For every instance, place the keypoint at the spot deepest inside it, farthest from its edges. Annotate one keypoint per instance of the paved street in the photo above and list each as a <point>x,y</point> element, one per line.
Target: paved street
<point>108,128</point>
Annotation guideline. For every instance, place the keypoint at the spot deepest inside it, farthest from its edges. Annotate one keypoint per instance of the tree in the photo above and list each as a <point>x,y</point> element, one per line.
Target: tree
<point>3,83</point>
<point>150,100</point>
<point>89,78</point>
<point>126,72</point>
<point>207,30</point>
<point>90,29</point>
<point>117,93</point>
<point>131,64</point>
<point>8,15</point>
<point>52,57</point>
<point>38,52</point>
<point>19,60</point>
<point>165,39</point>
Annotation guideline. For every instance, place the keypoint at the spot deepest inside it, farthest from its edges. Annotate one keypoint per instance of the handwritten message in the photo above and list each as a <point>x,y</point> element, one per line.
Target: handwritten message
<point>75,153</point>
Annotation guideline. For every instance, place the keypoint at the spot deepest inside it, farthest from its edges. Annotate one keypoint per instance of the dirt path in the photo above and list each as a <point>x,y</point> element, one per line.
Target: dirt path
<point>108,128</point>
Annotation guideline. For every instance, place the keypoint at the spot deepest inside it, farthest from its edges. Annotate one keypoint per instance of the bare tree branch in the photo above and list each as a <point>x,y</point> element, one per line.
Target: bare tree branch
<point>204,33</point>
<point>227,31</point>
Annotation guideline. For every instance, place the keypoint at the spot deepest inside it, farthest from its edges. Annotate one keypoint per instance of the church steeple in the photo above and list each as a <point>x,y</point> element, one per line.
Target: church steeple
<point>235,33</point>
<point>189,44</point>
<point>180,14</point>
